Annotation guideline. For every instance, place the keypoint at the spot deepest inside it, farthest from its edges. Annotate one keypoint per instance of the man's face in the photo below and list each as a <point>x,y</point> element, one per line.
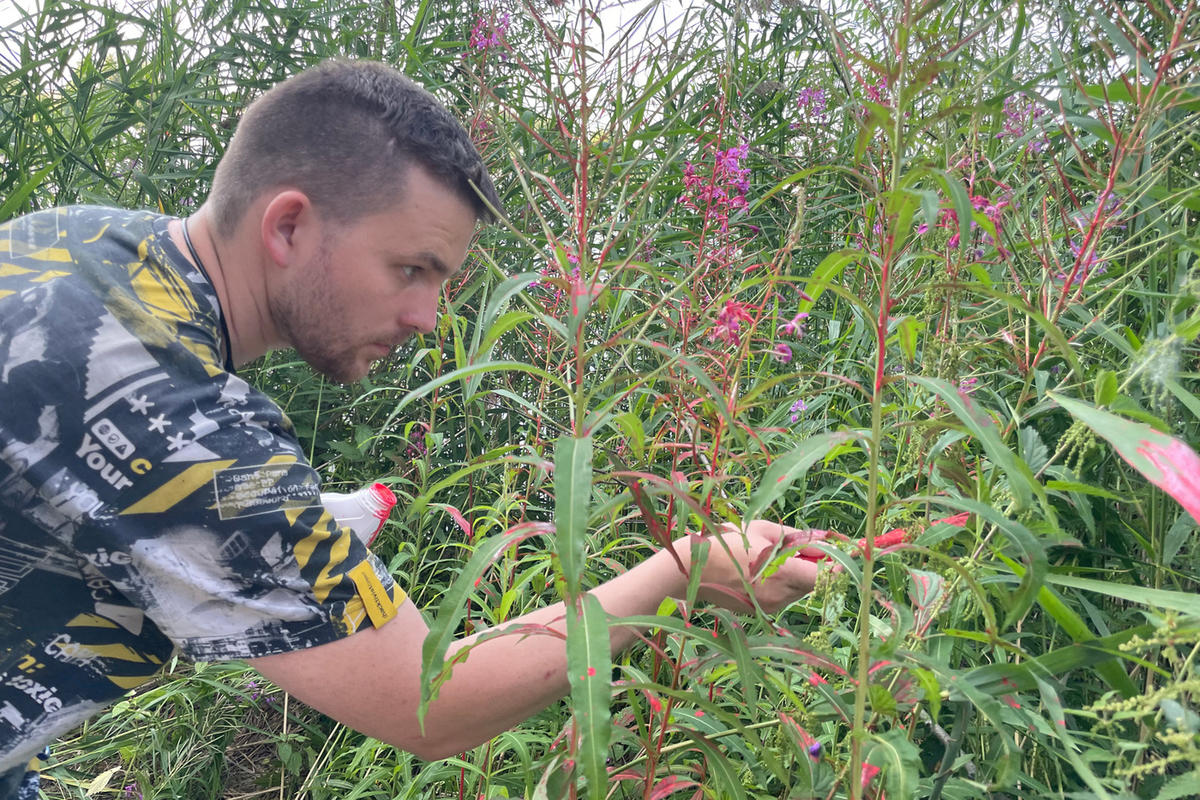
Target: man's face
<point>375,282</point>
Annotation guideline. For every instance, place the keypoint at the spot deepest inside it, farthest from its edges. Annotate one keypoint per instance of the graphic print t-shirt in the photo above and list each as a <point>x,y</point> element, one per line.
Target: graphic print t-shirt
<point>149,498</point>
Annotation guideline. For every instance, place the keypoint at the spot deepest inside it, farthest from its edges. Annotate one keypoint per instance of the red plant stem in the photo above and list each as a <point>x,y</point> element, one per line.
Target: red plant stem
<point>1122,146</point>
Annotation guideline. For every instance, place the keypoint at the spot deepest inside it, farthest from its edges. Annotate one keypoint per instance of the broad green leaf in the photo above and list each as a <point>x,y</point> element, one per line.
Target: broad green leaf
<point>965,407</point>
<point>572,504</point>
<point>788,468</point>
<point>829,268</point>
<point>589,668</point>
<point>1181,786</point>
<point>899,759</point>
<point>1165,461</point>
<point>907,332</point>
<point>926,594</point>
<point>631,426</point>
<point>1180,531</point>
<point>1105,391</point>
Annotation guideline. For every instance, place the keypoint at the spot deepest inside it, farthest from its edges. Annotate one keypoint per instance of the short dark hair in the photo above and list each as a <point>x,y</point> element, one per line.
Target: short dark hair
<point>344,133</point>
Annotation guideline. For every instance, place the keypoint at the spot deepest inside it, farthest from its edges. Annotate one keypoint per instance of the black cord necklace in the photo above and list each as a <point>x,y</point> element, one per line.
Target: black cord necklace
<point>229,367</point>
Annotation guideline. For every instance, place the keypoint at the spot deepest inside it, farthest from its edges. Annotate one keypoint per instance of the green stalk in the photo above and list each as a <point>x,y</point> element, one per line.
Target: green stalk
<point>858,732</point>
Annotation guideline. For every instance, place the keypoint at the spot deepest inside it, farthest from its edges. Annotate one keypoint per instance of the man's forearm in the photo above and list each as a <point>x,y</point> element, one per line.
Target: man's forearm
<point>509,677</point>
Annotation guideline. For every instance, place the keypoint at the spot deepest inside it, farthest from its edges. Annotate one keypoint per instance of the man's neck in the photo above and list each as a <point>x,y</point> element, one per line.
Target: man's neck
<point>234,267</point>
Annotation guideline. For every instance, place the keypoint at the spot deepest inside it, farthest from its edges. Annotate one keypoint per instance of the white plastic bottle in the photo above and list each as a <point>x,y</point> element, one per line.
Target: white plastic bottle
<point>363,511</point>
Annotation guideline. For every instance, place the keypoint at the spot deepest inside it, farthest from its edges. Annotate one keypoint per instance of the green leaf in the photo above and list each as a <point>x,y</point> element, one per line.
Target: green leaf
<point>1035,566</point>
<point>1073,625</point>
<point>998,679</point>
<point>1165,461</point>
<point>786,469</point>
<point>900,761</point>
<point>589,667</point>
<point>1105,387</point>
<point>1180,531</point>
<point>452,609</point>
<point>723,779</point>
<point>1186,785</point>
<point>926,595</point>
<point>631,425</point>
<point>1053,706</point>
<point>459,374</point>
<point>964,406</point>
<point>830,267</point>
<point>907,332</point>
<point>12,204</point>
<point>1187,602</point>
<point>572,503</point>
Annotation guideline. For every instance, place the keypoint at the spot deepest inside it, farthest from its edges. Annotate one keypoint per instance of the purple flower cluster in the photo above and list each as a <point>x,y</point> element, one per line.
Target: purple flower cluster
<point>811,103</point>
<point>489,32</point>
<point>1021,118</point>
<point>796,408</point>
<point>722,190</point>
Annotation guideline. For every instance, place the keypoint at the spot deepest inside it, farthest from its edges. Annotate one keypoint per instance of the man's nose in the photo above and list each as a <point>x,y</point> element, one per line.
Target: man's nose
<point>422,313</point>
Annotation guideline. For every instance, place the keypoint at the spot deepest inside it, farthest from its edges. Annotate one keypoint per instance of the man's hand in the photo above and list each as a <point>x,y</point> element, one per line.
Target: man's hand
<point>756,553</point>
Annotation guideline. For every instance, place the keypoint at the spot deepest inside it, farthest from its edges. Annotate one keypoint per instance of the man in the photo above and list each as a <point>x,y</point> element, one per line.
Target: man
<point>150,500</point>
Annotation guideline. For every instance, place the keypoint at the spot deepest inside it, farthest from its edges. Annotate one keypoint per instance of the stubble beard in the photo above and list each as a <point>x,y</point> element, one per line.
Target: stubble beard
<point>309,316</point>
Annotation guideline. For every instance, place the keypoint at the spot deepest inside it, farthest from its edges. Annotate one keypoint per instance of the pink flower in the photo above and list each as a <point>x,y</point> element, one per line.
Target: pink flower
<point>1021,117</point>
<point>719,190</point>
<point>729,323</point>
<point>783,353</point>
<point>795,326</point>
<point>869,771</point>
<point>487,34</point>
<point>811,102</point>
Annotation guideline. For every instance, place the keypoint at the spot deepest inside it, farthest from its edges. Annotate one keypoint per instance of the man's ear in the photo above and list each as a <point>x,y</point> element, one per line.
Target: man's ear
<point>289,227</point>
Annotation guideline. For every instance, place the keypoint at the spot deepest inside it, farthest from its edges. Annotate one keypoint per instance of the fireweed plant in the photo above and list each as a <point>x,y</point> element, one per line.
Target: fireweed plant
<point>919,273</point>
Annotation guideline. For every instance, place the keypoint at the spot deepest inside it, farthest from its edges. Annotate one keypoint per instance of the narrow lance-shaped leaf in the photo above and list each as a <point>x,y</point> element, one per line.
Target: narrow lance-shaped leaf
<point>788,468</point>
<point>723,779</point>
<point>1164,460</point>
<point>1020,479</point>
<point>453,607</point>
<point>572,499</point>
<point>589,667</point>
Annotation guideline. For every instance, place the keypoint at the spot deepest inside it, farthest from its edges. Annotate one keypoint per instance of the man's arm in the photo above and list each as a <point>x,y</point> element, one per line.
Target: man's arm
<point>370,681</point>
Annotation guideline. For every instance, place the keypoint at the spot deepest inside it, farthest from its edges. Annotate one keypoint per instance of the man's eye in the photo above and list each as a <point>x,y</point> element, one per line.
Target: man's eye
<point>410,271</point>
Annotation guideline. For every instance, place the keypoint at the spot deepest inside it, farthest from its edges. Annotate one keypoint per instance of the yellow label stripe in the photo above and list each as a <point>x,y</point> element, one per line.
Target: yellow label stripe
<point>378,602</point>
<point>181,486</point>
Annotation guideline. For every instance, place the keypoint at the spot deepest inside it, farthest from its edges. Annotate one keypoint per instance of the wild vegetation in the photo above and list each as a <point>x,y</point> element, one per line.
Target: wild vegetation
<point>927,265</point>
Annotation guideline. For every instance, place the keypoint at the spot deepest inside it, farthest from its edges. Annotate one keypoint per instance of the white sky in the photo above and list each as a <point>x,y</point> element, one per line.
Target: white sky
<point>615,15</point>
